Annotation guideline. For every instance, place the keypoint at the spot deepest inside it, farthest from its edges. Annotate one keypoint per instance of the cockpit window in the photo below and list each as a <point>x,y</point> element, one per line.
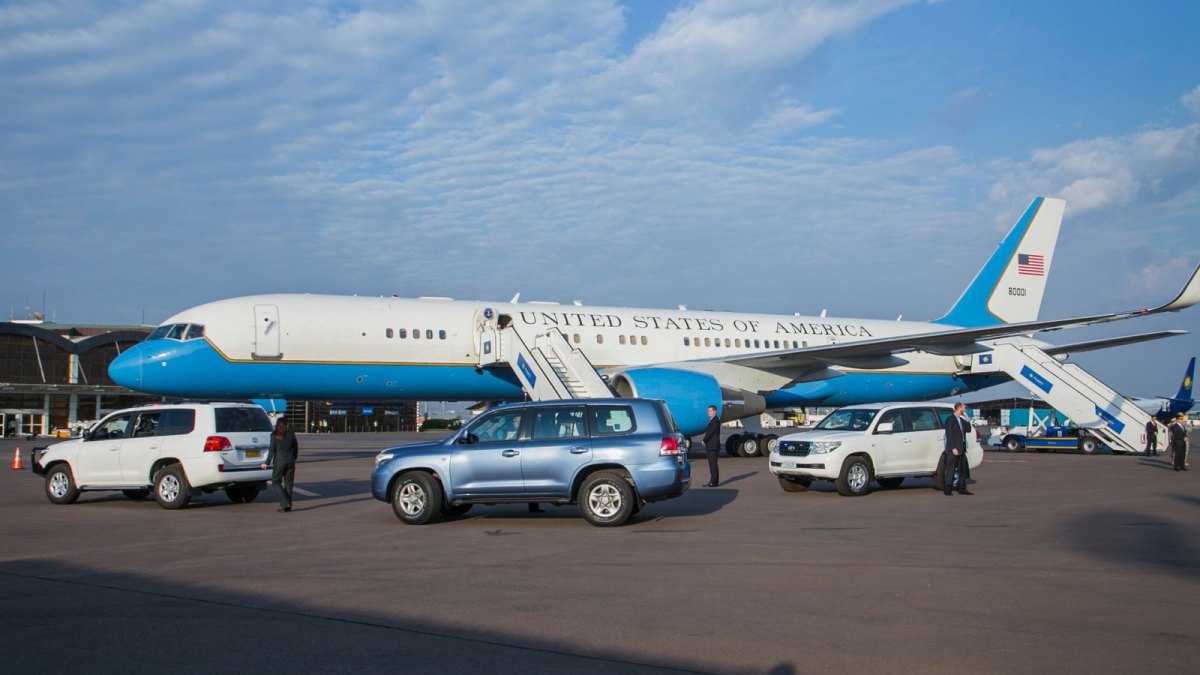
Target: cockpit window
<point>177,331</point>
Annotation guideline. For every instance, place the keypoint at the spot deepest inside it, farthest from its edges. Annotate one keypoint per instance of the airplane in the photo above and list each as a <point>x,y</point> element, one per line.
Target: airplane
<point>1164,409</point>
<point>300,346</point>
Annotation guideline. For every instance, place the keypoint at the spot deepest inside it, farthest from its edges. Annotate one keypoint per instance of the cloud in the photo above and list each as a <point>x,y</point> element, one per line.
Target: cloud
<point>1191,101</point>
<point>1151,166</point>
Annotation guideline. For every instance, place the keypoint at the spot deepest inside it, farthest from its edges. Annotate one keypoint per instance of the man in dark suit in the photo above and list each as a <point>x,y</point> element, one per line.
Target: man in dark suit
<point>1179,442</point>
<point>956,452</point>
<point>712,445</point>
<point>1151,437</point>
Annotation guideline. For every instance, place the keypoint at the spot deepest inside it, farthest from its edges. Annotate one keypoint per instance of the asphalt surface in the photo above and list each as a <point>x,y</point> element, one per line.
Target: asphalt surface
<point>1060,562</point>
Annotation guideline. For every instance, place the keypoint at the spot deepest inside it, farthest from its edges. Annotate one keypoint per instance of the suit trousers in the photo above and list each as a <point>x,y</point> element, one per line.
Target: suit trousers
<point>282,478</point>
<point>713,472</point>
<point>1180,458</point>
<point>956,465</point>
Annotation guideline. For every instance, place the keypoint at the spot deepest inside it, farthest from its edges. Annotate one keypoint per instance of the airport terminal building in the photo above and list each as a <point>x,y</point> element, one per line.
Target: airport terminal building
<point>53,377</point>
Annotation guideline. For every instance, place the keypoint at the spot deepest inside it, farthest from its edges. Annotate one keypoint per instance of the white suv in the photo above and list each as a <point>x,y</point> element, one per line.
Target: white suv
<point>886,442</point>
<point>174,450</point>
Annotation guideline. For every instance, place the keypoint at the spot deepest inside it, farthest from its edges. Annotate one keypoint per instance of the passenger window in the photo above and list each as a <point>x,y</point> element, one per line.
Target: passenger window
<point>441,335</point>
<point>896,417</point>
<point>687,342</point>
<point>610,420</point>
<point>428,334</point>
<point>621,339</point>
<point>146,425</point>
<point>113,427</point>
<point>599,339</point>
<point>403,333</point>
<point>194,332</point>
<point>416,333</point>
<point>644,340</point>
<point>737,342</point>
<point>554,423</point>
<point>498,428</point>
<point>923,419</point>
<point>389,332</point>
<point>576,338</point>
<point>176,422</point>
<point>707,342</point>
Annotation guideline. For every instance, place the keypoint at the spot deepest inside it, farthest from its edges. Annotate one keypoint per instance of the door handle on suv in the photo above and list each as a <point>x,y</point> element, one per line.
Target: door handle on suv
<point>578,451</point>
<point>511,453</point>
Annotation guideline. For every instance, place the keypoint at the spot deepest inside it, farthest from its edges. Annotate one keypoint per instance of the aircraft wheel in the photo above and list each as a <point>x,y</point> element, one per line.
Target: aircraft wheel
<point>747,445</point>
<point>767,444</point>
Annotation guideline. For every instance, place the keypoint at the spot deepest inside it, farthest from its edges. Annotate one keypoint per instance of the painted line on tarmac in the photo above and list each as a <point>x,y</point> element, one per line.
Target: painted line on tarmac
<point>302,491</point>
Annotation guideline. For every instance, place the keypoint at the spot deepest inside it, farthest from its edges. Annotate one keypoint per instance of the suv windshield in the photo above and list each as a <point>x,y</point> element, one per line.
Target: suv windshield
<point>847,420</point>
<point>234,420</point>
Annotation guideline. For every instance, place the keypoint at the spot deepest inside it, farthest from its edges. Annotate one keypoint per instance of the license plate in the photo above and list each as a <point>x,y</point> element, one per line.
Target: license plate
<point>253,454</point>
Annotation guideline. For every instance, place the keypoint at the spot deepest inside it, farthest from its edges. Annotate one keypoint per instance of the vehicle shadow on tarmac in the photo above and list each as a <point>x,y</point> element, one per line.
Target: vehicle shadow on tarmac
<point>132,606</point>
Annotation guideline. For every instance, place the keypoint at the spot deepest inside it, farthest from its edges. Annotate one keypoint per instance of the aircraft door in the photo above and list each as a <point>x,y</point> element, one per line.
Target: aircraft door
<point>266,332</point>
<point>486,340</point>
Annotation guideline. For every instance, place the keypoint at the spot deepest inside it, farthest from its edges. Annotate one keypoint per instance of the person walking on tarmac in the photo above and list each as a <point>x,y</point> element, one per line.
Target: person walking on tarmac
<point>1179,442</point>
<point>282,459</point>
<point>712,446</point>
<point>1152,438</point>
<point>956,452</point>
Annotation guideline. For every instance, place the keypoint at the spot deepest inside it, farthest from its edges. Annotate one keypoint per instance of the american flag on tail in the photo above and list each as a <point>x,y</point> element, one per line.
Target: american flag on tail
<point>1031,264</point>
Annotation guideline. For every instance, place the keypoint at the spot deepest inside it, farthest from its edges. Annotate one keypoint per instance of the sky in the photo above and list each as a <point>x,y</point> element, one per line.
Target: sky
<point>747,155</point>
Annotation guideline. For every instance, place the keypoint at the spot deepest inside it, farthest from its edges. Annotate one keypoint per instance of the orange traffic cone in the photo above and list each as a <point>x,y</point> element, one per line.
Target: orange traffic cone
<point>17,459</point>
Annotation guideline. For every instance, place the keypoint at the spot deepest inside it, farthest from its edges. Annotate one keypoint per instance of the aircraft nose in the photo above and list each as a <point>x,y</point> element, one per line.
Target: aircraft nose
<point>126,369</point>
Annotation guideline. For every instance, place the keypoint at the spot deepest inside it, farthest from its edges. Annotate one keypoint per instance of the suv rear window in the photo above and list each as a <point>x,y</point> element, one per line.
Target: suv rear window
<point>234,420</point>
<point>612,420</point>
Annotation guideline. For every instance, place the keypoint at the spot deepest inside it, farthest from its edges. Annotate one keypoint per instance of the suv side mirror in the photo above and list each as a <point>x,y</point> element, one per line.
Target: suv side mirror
<point>467,439</point>
<point>884,428</point>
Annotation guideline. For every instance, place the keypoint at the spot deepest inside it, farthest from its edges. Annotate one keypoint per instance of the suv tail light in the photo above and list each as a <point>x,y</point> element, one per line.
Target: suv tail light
<point>669,447</point>
<point>217,444</point>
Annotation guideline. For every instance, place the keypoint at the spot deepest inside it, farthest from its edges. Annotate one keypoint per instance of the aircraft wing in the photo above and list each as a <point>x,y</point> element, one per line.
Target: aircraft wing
<point>766,371</point>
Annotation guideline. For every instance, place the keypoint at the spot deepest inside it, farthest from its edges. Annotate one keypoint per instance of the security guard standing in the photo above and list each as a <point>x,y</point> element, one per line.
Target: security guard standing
<point>1179,442</point>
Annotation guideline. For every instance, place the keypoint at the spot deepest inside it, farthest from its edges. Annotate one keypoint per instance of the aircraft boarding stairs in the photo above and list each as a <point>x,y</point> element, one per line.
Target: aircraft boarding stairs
<point>548,367</point>
<point>1090,403</point>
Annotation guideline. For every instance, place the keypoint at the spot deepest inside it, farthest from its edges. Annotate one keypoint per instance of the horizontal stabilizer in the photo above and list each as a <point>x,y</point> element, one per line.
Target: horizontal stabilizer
<point>1093,345</point>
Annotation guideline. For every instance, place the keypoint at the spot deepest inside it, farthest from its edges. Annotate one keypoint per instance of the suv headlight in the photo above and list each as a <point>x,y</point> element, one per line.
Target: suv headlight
<point>383,457</point>
<point>823,447</point>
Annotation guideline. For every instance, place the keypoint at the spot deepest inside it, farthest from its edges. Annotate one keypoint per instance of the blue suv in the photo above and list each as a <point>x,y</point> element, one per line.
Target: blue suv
<point>610,456</point>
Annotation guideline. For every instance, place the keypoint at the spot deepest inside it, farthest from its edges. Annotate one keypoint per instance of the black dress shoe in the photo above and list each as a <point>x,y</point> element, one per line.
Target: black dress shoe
<point>710,484</point>
<point>947,492</point>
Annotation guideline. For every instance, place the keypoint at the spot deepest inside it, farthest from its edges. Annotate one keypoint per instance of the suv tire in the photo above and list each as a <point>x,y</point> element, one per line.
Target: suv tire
<point>417,498</point>
<point>171,487</point>
<point>795,483</point>
<point>606,499</point>
<point>855,478</point>
<point>60,485</point>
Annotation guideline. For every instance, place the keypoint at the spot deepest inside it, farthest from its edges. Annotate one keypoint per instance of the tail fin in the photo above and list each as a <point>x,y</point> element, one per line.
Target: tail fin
<point>1010,286</point>
<point>1185,389</point>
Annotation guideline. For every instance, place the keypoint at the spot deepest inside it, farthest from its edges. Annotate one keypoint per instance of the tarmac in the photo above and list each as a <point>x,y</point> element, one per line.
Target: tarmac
<point>1058,563</point>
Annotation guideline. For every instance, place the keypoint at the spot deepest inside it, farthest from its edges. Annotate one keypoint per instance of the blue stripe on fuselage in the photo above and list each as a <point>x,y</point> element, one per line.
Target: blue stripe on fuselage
<point>194,369</point>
